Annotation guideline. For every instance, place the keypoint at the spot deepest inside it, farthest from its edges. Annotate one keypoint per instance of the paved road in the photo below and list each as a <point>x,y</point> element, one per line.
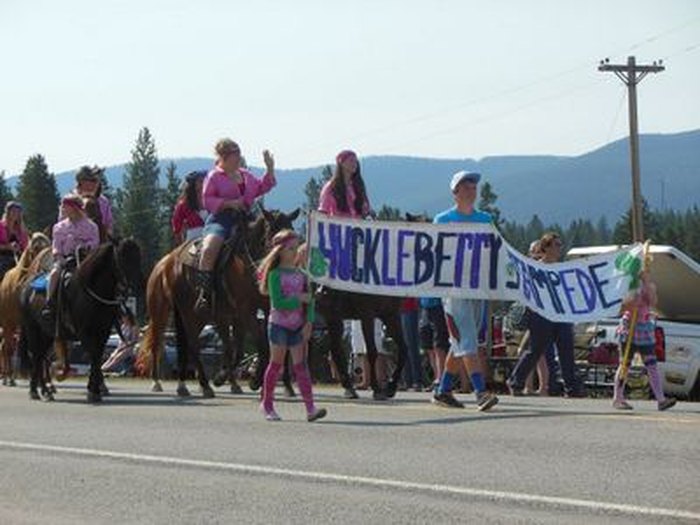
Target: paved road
<point>152,458</point>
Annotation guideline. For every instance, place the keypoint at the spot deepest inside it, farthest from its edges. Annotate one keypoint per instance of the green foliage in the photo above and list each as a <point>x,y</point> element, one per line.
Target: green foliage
<point>139,199</point>
<point>169,197</point>
<point>5,192</point>
<point>37,192</point>
<point>487,202</point>
<point>388,213</point>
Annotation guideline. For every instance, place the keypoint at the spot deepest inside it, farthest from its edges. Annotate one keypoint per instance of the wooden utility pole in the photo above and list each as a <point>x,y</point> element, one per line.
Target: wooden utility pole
<point>632,74</point>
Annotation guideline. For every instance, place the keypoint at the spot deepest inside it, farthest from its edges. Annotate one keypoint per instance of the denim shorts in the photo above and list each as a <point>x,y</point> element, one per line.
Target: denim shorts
<point>279,335</point>
<point>221,224</point>
<point>463,319</point>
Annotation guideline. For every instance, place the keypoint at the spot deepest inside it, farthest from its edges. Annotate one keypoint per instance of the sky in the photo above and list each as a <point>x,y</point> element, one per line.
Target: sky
<point>306,78</point>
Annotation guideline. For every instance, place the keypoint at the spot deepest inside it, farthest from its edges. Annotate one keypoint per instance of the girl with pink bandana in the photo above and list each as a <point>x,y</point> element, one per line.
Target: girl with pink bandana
<point>289,327</point>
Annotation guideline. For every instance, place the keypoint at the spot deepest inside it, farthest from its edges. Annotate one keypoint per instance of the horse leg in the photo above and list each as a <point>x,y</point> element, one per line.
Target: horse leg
<point>263,346</point>
<point>236,354</point>
<point>182,354</point>
<point>34,344</point>
<point>96,380</point>
<point>335,336</point>
<point>393,326</point>
<point>378,393</point>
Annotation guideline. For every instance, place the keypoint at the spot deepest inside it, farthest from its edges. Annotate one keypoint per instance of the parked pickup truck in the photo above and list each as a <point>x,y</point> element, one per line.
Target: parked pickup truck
<point>677,277</point>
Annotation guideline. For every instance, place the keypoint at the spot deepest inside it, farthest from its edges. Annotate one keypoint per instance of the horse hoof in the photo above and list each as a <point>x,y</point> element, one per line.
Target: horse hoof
<point>34,395</point>
<point>48,397</point>
<point>236,388</point>
<point>254,385</point>
<point>350,393</point>
<point>52,388</point>
<point>289,391</point>
<point>379,395</point>
<point>182,391</point>
<point>219,379</point>
<point>94,397</point>
<point>208,393</point>
<point>157,387</point>
<point>391,388</point>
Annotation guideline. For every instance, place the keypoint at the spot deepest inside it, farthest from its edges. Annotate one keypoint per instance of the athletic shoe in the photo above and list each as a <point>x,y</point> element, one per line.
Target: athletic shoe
<point>270,415</point>
<point>349,393</point>
<point>447,400</point>
<point>621,404</point>
<point>485,401</point>
<point>667,403</point>
<point>319,413</point>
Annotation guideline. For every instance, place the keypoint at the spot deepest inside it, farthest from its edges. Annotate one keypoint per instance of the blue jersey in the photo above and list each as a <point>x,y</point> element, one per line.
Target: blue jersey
<point>452,215</point>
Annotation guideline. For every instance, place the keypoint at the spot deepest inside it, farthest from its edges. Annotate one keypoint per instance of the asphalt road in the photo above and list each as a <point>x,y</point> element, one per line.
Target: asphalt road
<point>149,458</point>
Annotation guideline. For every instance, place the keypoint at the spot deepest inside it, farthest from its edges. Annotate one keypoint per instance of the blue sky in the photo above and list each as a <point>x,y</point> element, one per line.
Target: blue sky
<point>470,78</point>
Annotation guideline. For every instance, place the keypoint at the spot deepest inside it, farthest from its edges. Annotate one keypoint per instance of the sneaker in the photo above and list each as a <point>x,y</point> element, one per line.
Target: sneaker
<point>621,404</point>
<point>270,415</point>
<point>319,413</point>
<point>447,400</point>
<point>350,393</point>
<point>485,401</point>
<point>667,403</point>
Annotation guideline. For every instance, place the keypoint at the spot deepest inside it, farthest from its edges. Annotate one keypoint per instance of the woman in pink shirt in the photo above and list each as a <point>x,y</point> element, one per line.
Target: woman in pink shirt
<point>189,215</point>
<point>229,193</point>
<point>13,236</point>
<point>69,235</point>
<point>344,195</point>
<point>88,184</point>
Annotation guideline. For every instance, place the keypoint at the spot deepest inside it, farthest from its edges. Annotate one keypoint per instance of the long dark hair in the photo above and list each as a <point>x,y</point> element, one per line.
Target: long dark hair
<point>189,195</point>
<point>340,193</point>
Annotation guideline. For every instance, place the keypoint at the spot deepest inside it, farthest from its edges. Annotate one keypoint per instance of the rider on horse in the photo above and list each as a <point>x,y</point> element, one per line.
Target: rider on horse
<point>229,193</point>
<point>13,236</point>
<point>71,234</point>
<point>88,183</point>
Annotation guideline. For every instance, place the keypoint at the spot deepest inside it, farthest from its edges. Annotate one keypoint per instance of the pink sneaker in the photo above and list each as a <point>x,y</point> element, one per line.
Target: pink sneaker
<point>270,415</point>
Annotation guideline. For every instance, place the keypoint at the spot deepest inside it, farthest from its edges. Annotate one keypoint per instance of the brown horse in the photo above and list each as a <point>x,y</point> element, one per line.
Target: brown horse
<point>10,288</point>
<point>171,286</point>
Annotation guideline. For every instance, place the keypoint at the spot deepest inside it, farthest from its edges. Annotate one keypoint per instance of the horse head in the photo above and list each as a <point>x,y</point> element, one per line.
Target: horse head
<point>92,210</point>
<point>265,226</point>
<point>37,243</point>
<point>128,254</point>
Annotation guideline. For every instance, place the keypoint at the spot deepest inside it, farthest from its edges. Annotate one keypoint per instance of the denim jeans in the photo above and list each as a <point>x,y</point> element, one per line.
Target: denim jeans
<point>543,334</point>
<point>413,373</point>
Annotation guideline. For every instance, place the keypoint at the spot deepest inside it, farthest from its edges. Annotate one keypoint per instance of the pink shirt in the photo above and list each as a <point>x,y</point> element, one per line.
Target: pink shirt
<point>5,236</point>
<point>68,235</point>
<point>218,187</point>
<point>327,203</point>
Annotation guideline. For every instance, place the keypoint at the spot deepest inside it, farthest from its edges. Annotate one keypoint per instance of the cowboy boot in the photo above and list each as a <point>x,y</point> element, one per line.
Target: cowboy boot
<point>205,283</point>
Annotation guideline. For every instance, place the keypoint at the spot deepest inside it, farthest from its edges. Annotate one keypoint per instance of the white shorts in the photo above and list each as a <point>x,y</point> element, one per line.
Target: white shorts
<point>357,340</point>
<point>463,321</point>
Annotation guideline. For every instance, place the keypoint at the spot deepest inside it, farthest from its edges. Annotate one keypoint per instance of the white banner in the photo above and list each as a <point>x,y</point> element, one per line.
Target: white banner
<point>466,260</point>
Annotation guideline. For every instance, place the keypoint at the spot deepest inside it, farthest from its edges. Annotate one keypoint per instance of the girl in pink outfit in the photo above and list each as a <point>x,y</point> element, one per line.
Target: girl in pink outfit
<point>88,183</point>
<point>344,195</point>
<point>643,341</point>
<point>229,192</point>
<point>13,236</point>
<point>289,326</point>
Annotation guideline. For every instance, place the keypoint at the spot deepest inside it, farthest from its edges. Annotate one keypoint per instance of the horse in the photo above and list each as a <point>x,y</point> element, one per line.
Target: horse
<point>171,287</point>
<point>87,310</point>
<point>10,288</point>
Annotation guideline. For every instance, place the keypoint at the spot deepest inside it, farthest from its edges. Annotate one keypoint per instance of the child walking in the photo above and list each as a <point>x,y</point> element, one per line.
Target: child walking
<point>643,341</point>
<point>289,328</point>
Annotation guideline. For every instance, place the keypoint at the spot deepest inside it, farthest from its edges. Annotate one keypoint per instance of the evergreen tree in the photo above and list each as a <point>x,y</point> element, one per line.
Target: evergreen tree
<point>388,213</point>
<point>487,202</point>
<point>169,198</point>
<point>312,192</point>
<point>603,235</point>
<point>534,229</point>
<point>139,200</point>
<point>622,234</point>
<point>37,192</point>
<point>5,192</point>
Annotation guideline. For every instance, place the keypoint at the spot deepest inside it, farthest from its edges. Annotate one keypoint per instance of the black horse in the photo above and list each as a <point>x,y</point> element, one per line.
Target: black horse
<point>335,306</point>
<point>88,309</point>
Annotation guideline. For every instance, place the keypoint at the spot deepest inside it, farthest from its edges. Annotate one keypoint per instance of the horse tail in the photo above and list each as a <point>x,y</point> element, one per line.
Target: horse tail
<point>148,353</point>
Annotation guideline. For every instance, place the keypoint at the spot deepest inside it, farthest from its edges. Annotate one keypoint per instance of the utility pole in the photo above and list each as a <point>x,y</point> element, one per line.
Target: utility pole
<point>631,74</point>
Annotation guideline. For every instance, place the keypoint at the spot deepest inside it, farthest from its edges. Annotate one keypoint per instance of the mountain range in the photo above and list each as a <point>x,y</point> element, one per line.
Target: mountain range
<point>558,189</point>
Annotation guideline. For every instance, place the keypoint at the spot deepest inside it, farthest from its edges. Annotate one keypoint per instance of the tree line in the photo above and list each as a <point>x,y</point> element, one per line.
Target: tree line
<point>143,209</point>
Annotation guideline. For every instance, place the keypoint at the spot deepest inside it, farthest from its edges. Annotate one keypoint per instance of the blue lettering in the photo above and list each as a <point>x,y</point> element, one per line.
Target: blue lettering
<point>401,256</point>
<point>599,285</point>
<point>440,257</point>
<point>387,280</point>
<point>423,256</point>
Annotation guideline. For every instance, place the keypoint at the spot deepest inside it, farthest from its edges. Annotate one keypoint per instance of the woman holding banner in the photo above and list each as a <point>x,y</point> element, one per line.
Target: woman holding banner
<point>344,195</point>
<point>544,333</point>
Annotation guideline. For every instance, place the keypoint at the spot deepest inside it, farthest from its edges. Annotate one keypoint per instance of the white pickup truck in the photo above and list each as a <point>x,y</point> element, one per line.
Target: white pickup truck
<point>677,277</point>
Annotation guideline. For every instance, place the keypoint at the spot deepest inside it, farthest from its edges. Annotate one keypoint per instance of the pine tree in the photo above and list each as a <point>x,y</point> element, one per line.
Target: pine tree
<point>487,202</point>
<point>388,213</point>
<point>5,192</point>
<point>139,200</point>
<point>169,198</point>
<point>37,192</point>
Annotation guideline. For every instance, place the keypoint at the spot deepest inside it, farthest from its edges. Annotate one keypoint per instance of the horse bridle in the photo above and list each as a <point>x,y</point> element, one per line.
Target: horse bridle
<point>122,286</point>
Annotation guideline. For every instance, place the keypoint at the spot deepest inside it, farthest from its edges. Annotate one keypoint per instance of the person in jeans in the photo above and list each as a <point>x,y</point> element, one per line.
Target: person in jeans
<point>544,333</point>
<point>463,315</point>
